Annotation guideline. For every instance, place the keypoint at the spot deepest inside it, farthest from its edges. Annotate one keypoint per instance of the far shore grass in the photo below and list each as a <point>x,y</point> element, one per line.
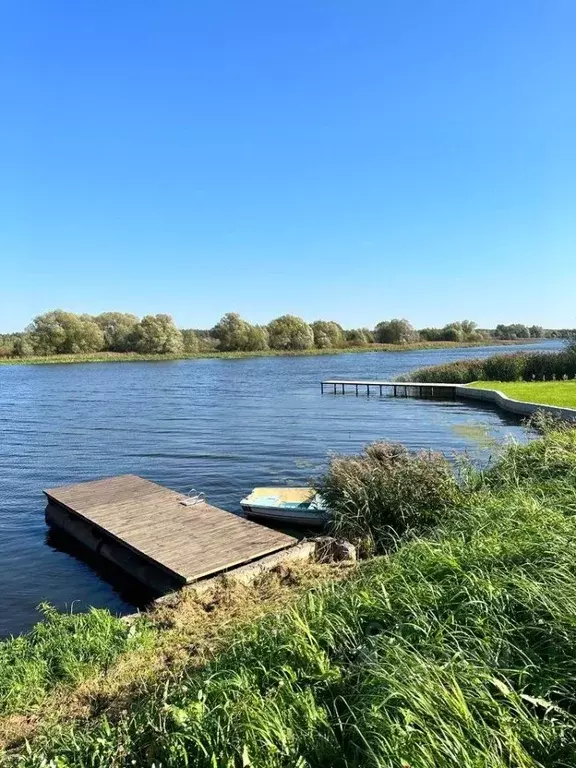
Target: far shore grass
<point>127,357</point>
<point>562,393</point>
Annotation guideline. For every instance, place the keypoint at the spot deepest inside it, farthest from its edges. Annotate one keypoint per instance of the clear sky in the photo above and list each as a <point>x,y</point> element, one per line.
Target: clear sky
<point>351,160</point>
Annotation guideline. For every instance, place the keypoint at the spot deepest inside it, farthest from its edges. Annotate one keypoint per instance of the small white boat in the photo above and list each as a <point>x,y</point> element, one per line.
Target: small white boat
<point>297,506</point>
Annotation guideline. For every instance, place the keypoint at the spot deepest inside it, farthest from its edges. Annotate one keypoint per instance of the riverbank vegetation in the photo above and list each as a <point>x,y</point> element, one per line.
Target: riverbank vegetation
<point>59,333</point>
<point>125,357</point>
<point>455,646</point>
<point>522,366</point>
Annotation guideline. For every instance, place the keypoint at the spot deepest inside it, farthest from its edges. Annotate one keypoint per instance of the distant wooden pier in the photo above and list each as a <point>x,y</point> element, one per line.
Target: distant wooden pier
<point>153,534</point>
<point>396,388</point>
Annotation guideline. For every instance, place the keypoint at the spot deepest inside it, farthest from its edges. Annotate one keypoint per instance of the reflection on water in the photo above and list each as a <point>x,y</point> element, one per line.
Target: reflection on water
<point>221,426</point>
<point>478,434</point>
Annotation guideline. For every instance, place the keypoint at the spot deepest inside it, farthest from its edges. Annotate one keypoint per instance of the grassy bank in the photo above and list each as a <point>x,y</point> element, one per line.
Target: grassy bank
<point>457,649</point>
<point>127,357</point>
<point>562,393</point>
<point>72,667</point>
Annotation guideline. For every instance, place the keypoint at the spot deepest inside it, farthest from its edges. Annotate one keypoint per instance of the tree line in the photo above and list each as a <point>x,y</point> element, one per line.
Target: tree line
<point>59,332</point>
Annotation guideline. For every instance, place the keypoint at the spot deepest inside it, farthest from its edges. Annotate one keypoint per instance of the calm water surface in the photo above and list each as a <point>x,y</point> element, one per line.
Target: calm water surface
<point>221,426</point>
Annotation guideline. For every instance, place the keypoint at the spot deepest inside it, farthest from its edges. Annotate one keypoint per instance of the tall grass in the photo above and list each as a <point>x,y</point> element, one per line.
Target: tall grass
<point>386,492</point>
<point>521,365</point>
<point>62,650</point>
<point>456,651</point>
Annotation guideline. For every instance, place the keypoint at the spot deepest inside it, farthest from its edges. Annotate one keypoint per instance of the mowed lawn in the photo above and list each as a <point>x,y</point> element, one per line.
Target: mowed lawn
<point>545,392</point>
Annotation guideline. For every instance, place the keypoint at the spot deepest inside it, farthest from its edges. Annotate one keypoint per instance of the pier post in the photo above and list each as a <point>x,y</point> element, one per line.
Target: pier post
<point>321,387</point>
<point>368,389</point>
<point>334,388</point>
<point>356,390</point>
<point>395,391</point>
<point>380,390</point>
<point>342,388</point>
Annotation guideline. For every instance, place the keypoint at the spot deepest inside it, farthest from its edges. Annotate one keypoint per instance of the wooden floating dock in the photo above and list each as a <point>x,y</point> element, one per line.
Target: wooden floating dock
<point>151,534</point>
<point>393,387</point>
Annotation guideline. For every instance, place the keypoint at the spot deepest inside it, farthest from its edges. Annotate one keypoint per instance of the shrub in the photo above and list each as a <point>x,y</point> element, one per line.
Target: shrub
<point>386,492</point>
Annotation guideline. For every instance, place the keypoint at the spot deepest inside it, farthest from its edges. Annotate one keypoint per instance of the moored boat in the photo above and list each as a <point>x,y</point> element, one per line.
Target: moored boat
<point>296,506</point>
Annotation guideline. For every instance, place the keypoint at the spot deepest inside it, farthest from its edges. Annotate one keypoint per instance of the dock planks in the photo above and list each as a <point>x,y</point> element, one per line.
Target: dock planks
<point>189,542</point>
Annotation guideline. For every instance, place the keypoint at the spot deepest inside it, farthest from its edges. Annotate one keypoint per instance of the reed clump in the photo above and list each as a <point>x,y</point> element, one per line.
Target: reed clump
<point>387,492</point>
<point>526,366</point>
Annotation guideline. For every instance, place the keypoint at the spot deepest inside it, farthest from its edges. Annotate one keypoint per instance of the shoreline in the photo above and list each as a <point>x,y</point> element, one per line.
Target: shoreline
<point>130,357</point>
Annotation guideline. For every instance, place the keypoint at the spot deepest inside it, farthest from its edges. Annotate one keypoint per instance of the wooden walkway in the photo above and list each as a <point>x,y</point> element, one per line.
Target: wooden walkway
<point>395,387</point>
<point>188,542</point>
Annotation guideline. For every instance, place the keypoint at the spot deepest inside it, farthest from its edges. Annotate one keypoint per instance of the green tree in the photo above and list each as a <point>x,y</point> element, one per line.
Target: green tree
<point>157,335</point>
<point>395,332</point>
<point>22,346</point>
<point>60,332</point>
<point>430,334</point>
<point>232,332</point>
<point>190,341</point>
<point>453,332</point>
<point>468,328</point>
<point>257,338</point>
<point>327,334</point>
<point>356,337</point>
<point>47,333</point>
<point>118,329</point>
<point>450,333</point>
<point>536,332</point>
<point>290,332</point>
<point>513,331</point>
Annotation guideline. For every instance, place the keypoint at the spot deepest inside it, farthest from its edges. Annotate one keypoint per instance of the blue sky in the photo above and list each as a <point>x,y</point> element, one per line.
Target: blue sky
<point>349,160</point>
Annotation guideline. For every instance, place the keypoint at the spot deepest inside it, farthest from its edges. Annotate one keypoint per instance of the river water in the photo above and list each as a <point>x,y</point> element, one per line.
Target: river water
<point>220,426</point>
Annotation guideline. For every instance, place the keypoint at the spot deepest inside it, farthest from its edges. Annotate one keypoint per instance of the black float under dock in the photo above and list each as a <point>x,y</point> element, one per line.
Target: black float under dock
<point>153,534</point>
<point>396,388</point>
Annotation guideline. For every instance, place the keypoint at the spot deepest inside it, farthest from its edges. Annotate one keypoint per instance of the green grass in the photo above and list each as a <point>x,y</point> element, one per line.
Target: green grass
<point>562,393</point>
<point>458,650</point>
<point>63,650</point>
<point>127,357</point>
